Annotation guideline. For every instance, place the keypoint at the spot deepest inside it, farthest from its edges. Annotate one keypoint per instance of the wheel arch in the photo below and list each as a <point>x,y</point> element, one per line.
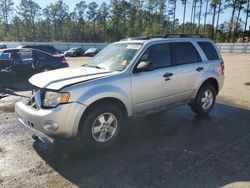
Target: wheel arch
<point>110,100</point>
<point>210,80</point>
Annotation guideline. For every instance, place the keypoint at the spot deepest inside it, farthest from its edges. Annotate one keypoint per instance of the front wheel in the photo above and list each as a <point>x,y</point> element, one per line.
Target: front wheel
<point>101,126</point>
<point>205,100</point>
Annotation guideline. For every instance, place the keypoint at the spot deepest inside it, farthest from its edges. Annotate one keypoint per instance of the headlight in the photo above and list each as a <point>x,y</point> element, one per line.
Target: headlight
<point>52,98</point>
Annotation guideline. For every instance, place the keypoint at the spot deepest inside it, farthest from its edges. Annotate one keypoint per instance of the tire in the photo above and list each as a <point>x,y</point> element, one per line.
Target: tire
<point>95,123</point>
<point>204,100</point>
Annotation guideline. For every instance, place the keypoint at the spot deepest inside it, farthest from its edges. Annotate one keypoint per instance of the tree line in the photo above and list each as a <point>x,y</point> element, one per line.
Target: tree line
<point>119,19</point>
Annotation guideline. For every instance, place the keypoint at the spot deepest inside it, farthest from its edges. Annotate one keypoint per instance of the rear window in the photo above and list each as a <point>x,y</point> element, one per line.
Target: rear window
<point>209,50</point>
<point>185,53</point>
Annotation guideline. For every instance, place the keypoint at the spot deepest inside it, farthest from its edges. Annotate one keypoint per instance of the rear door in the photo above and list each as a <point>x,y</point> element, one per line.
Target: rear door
<point>24,65</point>
<point>154,89</point>
<point>5,59</point>
<point>189,67</point>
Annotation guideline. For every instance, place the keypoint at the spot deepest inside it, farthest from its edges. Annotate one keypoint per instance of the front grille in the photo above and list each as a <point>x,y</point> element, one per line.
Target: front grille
<point>35,100</point>
<point>32,102</point>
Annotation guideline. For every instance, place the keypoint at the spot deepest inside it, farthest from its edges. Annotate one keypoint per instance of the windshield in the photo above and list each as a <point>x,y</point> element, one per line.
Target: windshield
<point>115,56</point>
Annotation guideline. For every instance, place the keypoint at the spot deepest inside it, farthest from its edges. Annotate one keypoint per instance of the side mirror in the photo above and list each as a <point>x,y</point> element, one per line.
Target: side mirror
<point>144,66</point>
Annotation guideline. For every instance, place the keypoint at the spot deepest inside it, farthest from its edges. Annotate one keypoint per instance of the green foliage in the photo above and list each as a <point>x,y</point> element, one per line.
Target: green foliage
<point>120,19</point>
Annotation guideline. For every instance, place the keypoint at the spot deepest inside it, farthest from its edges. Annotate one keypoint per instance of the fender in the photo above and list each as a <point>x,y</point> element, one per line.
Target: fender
<point>206,75</point>
<point>105,91</point>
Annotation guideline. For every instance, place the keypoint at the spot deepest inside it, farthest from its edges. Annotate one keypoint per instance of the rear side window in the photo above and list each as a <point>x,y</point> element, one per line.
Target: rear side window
<point>26,57</point>
<point>209,50</point>
<point>185,53</point>
<point>5,56</point>
<point>39,55</point>
<point>159,55</point>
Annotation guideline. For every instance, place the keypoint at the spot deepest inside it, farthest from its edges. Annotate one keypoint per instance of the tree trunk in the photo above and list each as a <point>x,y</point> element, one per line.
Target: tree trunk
<point>34,30</point>
<point>218,19</point>
<point>195,3</point>
<point>237,22</point>
<point>205,19</point>
<point>231,21</point>
<point>184,17</point>
<point>213,20</point>
<point>246,22</point>
<point>192,12</point>
<point>199,21</point>
<point>174,15</point>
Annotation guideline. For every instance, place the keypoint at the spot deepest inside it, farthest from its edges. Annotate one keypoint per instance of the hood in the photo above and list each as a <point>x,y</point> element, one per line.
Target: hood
<point>60,78</point>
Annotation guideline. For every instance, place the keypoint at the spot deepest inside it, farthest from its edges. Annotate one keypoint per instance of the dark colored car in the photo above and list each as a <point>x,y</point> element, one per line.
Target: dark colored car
<point>30,61</point>
<point>3,46</point>
<point>46,48</point>
<point>91,52</point>
<point>74,52</point>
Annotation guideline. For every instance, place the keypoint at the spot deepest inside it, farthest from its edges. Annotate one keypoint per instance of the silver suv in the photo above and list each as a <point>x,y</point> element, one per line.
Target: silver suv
<point>129,78</point>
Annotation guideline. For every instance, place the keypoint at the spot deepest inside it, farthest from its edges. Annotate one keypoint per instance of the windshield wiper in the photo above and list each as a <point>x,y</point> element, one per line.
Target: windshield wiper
<point>94,66</point>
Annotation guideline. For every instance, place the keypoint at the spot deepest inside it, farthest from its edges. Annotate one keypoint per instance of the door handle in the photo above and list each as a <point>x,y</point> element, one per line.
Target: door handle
<point>167,76</point>
<point>199,69</point>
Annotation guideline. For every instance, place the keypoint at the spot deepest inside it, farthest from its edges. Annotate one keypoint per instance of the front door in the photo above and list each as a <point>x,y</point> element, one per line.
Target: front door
<point>156,88</point>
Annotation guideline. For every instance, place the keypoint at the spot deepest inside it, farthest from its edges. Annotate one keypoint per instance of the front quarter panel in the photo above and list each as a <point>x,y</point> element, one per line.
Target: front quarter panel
<point>117,86</point>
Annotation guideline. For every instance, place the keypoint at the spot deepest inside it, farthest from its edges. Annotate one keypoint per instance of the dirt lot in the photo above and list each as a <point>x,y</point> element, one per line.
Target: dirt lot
<point>174,149</point>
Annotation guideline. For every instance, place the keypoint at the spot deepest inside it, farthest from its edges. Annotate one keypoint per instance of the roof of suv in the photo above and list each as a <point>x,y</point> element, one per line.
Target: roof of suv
<point>167,37</point>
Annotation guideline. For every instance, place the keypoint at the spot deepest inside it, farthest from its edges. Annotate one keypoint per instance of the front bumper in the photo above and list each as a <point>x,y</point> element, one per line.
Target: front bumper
<point>65,118</point>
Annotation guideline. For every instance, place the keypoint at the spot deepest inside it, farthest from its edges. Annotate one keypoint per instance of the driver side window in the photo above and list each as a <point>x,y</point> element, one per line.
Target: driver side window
<point>159,55</point>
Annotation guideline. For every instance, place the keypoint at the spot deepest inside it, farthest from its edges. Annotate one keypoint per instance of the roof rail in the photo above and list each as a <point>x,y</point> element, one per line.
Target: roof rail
<point>164,36</point>
<point>142,38</point>
<point>182,36</point>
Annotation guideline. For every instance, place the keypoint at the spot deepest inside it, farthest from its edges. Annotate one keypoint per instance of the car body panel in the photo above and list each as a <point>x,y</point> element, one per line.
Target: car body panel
<point>36,119</point>
<point>57,79</point>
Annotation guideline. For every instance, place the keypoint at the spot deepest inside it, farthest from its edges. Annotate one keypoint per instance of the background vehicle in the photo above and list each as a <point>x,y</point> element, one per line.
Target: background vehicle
<point>74,52</point>
<point>91,52</point>
<point>3,46</point>
<point>46,48</point>
<point>129,78</point>
<point>30,61</point>
<point>5,57</point>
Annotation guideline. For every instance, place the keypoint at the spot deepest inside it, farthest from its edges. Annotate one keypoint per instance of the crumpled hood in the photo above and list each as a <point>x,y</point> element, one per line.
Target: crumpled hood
<point>60,78</point>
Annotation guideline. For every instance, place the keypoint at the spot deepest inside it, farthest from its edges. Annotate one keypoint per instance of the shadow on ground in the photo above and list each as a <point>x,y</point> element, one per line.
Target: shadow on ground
<point>11,86</point>
<point>175,148</point>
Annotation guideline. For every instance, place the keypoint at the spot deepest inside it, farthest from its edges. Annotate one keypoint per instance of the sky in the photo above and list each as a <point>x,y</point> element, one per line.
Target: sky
<point>179,11</point>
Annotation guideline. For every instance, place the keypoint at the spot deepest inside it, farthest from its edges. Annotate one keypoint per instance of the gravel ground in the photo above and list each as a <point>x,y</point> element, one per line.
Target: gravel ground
<point>171,149</point>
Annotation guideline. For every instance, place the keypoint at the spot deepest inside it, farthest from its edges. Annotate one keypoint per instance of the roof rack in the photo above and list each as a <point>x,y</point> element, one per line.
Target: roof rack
<point>182,36</point>
<point>142,38</point>
<point>164,36</point>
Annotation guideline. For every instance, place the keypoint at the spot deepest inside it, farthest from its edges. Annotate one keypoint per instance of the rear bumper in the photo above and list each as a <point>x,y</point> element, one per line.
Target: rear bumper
<point>64,118</point>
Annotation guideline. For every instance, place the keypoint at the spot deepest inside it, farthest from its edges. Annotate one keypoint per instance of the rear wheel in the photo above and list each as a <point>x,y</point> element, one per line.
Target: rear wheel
<point>205,100</point>
<point>101,126</point>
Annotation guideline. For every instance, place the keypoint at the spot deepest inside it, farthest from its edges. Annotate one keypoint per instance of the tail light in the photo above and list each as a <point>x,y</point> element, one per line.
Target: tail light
<point>63,59</point>
<point>222,67</point>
